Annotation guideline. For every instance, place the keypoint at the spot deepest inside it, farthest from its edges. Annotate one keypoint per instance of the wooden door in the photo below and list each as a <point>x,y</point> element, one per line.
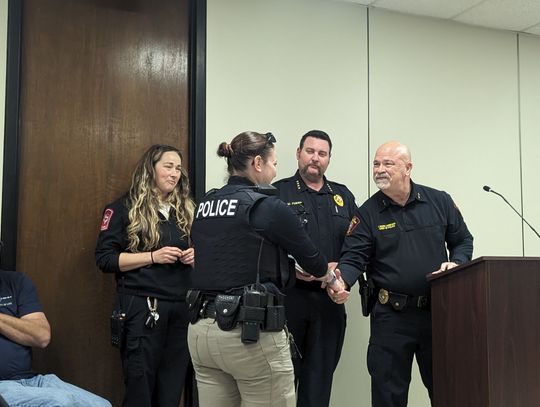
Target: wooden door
<point>100,81</point>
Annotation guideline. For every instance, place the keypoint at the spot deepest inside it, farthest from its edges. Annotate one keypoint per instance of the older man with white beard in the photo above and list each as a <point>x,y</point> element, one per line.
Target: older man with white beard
<point>398,236</point>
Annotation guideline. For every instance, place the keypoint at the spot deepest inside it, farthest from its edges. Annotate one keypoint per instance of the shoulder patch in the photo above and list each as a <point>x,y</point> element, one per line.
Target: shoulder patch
<point>355,221</point>
<point>107,216</point>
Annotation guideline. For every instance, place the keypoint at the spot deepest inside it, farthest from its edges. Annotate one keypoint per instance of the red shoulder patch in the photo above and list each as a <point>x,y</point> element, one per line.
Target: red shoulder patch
<point>107,216</point>
<point>355,221</point>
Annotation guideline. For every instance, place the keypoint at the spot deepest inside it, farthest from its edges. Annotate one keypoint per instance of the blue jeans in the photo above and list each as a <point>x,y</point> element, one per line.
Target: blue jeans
<point>47,391</point>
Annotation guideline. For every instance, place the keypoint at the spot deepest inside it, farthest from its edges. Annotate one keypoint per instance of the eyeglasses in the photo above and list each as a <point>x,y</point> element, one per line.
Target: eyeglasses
<point>270,138</point>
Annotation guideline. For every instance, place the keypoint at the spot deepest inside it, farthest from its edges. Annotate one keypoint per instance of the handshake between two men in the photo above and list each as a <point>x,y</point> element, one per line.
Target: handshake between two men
<point>336,287</point>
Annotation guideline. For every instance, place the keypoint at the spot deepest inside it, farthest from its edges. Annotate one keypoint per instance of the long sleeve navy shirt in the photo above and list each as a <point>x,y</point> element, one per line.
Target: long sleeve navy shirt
<point>399,245</point>
<point>325,214</point>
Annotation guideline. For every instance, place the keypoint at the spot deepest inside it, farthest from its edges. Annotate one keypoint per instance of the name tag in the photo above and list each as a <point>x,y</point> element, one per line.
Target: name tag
<point>220,208</point>
<point>387,226</point>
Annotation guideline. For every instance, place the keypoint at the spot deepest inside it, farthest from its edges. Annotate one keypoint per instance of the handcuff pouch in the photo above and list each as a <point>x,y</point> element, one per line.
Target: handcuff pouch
<point>227,307</point>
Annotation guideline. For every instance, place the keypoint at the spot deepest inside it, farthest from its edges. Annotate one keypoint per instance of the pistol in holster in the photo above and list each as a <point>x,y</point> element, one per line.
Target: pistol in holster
<point>367,295</point>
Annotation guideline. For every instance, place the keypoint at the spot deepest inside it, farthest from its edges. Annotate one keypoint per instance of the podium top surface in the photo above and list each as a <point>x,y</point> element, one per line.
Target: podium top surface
<point>432,276</point>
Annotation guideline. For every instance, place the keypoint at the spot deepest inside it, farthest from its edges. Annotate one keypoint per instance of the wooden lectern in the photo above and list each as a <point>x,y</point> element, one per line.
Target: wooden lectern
<point>486,333</point>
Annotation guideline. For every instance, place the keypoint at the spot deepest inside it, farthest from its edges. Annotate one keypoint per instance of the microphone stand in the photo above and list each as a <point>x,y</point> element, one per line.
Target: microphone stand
<point>488,189</point>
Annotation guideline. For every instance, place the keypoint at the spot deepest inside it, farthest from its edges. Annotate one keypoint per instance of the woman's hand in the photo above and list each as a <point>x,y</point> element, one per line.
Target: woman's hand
<point>188,257</point>
<point>167,255</point>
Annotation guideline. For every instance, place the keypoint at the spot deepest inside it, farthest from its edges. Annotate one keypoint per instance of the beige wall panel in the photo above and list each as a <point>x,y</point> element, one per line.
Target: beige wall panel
<point>449,91</point>
<point>288,67</point>
<point>529,51</point>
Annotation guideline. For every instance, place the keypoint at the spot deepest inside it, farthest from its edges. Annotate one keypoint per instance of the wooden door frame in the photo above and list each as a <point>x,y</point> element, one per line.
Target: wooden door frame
<point>10,184</point>
<point>197,119</point>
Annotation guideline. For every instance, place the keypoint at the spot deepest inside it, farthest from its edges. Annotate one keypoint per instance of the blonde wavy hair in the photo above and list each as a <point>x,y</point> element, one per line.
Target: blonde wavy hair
<point>143,202</point>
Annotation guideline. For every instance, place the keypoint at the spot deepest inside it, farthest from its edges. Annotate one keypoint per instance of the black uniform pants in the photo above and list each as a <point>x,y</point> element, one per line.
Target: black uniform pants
<point>396,337</point>
<point>318,327</point>
<point>154,360</point>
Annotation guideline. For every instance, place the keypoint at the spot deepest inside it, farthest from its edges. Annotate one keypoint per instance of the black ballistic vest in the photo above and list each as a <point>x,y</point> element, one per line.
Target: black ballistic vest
<point>227,247</point>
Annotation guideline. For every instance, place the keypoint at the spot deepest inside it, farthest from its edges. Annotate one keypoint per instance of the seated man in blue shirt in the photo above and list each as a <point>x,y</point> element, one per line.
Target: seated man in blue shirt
<point>23,325</point>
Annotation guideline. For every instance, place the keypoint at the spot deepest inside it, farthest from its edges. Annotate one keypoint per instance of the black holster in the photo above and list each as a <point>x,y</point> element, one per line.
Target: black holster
<point>367,296</point>
<point>118,317</point>
<point>275,318</point>
<point>118,335</point>
<point>193,302</point>
<point>275,309</point>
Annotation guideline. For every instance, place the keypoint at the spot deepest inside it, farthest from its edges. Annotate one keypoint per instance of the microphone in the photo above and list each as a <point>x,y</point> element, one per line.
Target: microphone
<point>488,189</point>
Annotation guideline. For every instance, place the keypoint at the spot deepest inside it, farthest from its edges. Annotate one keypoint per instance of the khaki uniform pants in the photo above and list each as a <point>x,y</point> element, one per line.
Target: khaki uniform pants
<point>231,374</point>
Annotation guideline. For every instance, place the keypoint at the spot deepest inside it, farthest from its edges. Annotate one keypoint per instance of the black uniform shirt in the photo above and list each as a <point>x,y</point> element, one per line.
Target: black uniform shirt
<point>167,281</point>
<point>399,245</point>
<point>271,219</point>
<point>325,214</point>
<point>268,217</point>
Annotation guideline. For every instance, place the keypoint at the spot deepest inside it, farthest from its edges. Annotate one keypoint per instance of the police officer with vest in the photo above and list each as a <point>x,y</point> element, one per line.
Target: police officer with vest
<point>398,236</point>
<point>316,322</point>
<point>237,337</point>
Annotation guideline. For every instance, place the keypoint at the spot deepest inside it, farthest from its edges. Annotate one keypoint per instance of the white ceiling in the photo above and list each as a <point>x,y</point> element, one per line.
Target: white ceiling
<point>513,15</point>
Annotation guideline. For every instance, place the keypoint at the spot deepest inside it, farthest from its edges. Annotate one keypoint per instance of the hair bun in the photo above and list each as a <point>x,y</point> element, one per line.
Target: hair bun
<point>225,150</point>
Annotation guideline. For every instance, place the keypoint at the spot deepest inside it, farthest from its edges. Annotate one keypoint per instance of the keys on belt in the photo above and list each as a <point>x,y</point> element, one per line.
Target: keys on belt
<point>153,316</point>
<point>399,301</point>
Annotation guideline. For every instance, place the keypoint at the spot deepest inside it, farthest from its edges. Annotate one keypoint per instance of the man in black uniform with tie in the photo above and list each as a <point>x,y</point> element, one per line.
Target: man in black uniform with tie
<point>317,324</point>
<point>398,236</point>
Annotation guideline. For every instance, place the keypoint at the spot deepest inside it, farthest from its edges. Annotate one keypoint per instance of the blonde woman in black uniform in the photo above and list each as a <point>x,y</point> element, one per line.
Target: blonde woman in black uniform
<point>145,242</point>
<point>242,233</point>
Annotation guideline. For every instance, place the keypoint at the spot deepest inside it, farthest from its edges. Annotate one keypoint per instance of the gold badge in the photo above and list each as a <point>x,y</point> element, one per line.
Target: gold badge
<point>338,200</point>
<point>383,296</point>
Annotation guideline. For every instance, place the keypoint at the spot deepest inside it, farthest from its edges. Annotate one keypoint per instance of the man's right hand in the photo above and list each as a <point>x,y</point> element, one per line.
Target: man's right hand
<point>338,291</point>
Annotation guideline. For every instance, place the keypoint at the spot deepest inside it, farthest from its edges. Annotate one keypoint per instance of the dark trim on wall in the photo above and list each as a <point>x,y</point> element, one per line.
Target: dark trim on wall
<point>10,186</point>
<point>197,98</point>
<point>520,144</point>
